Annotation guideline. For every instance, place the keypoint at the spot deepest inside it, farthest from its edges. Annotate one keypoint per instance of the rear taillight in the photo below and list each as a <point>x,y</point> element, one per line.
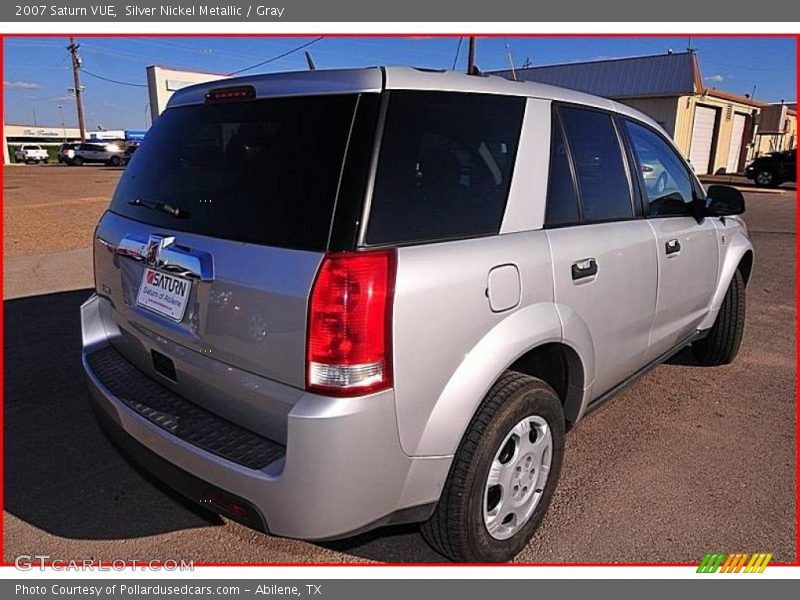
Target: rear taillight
<point>349,324</point>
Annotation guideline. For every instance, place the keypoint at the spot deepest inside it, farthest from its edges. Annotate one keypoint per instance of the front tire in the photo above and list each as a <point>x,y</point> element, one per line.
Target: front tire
<point>503,475</point>
<point>722,343</point>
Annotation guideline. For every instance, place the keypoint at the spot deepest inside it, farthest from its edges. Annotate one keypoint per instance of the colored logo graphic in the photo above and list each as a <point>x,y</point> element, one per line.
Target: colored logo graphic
<point>734,563</point>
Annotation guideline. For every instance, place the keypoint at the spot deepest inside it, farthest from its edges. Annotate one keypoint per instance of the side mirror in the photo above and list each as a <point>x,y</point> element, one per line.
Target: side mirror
<point>723,201</point>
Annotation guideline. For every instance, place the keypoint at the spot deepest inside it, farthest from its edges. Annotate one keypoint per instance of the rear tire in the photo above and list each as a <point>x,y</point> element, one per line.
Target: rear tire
<point>766,178</point>
<point>115,161</point>
<point>459,528</point>
<point>77,161</point>
<point>721,345</point>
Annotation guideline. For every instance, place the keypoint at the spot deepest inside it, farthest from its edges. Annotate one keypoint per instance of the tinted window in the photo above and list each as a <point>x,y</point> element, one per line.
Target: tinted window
<point>597,156</point>
<point>445,166</point>
<point>562,199</point>
<point>667,185</point>
<point>264,171</point>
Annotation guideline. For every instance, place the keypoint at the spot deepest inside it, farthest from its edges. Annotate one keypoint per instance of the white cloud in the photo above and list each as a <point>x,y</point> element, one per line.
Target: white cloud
<point>20,85</point>
<point>715,78</point>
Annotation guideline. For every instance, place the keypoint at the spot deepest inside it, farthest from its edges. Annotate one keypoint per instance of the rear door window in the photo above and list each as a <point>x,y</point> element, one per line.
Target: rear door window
<point>562,198</point>
<point>445,166</point>
<point>603,182</point>
<point>262,171</point>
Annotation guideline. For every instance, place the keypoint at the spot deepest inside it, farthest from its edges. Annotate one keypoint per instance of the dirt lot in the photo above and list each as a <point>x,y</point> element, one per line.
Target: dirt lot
<point>56,211</point>
<point>686,461</point>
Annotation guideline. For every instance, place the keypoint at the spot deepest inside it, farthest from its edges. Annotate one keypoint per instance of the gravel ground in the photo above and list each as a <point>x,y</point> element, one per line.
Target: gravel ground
<point>686,461</point>
<point>52,208</point>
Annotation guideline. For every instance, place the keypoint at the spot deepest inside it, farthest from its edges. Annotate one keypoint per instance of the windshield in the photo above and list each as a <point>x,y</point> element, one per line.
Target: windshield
<point>263,171</point>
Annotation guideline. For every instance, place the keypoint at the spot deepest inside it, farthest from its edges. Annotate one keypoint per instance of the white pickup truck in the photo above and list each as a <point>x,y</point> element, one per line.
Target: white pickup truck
<point>31,153</point>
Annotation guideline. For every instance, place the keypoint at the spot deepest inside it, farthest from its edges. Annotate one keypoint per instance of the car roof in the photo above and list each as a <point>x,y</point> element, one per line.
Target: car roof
<point>377,79</point>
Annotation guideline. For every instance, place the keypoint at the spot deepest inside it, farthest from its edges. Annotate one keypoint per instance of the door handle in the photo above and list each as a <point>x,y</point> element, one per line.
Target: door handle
<point>673,246</point>
<point>584,268</point>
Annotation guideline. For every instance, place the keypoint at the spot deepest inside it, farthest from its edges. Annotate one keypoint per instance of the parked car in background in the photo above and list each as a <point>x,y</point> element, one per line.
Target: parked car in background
<point>107,153</point>
<point>31,153</point>
<point>66,152</point>
<point>128,154</point>
<point>773,169</point>
<point>317,321</point>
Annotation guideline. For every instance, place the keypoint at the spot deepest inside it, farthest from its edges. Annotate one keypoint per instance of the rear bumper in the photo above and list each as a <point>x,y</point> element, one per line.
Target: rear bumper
<point>342,471</point>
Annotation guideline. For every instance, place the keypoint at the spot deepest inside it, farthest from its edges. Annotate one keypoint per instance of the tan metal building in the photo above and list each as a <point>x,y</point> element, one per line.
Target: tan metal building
<point>777,128</point>
<point>715,129</point>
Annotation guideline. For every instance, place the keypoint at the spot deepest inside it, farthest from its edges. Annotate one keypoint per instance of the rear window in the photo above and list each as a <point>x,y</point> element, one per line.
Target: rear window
<point>263,171</point>
<point>445,166</point>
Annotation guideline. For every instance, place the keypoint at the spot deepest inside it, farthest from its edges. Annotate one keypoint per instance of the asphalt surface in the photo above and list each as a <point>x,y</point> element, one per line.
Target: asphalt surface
<point>686,461</point>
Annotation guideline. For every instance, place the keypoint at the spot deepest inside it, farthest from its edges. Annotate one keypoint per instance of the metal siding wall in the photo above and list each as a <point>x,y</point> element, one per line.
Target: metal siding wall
<point>662,110</point>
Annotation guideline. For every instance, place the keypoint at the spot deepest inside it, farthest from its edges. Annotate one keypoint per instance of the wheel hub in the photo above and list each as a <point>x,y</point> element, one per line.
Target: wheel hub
<point>517,477</point>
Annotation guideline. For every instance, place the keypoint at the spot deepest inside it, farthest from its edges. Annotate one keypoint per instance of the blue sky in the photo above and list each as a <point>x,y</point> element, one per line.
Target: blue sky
<point>37,74</point>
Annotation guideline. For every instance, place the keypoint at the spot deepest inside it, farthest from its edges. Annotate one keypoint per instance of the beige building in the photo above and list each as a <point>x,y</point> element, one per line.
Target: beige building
<point>714,129</point>
<point>718,131</point>
<point>162,82</point>
<point>777,128</point>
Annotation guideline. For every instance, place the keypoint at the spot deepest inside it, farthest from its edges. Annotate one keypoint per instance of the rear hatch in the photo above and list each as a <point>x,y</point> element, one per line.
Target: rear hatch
<point>215,235</point>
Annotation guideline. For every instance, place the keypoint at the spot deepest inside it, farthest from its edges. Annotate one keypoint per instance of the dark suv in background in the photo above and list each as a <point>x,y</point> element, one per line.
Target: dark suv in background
<point>773,169</point>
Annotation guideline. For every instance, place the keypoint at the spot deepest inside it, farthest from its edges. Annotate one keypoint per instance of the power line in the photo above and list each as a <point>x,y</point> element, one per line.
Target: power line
<point>110,80</point>
<point>269,60</point>
<point>278,57</point>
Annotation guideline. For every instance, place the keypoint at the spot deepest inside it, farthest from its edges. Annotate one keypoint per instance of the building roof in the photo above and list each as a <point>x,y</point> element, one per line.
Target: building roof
<point>670,74</point>
<point>723,95</point>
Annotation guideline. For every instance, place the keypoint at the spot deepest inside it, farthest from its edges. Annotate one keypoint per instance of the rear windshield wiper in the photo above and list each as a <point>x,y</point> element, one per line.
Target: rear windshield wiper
<point>173,211</point>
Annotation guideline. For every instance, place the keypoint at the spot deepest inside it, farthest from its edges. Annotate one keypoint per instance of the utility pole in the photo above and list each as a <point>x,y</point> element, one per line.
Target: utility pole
<point>76,76</point>
<point>471,56</point>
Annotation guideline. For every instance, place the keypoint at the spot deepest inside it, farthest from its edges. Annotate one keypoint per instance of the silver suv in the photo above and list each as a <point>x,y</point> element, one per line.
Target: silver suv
<point>347,299</point>
<point>107,153</point>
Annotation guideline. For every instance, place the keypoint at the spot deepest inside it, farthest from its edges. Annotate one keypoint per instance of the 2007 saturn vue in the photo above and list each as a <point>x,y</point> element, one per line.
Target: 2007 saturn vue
<point>333,300</point>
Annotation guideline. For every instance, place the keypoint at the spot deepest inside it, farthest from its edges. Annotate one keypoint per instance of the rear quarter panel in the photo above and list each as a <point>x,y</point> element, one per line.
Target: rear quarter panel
<point>449,347</point>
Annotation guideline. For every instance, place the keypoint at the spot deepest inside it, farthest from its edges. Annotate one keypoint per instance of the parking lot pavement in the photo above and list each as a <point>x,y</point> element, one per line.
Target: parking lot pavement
<point>686,461</point>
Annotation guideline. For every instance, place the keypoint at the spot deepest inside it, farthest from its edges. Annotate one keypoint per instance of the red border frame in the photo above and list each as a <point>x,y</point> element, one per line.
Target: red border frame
<point>796,37</point>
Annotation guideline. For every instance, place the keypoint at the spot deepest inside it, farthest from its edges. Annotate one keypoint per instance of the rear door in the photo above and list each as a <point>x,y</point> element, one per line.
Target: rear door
<point>789,166</point>
<point>604,261</point>
<point>88,152</point>
<point>215,234</point>
<point>687,249</point>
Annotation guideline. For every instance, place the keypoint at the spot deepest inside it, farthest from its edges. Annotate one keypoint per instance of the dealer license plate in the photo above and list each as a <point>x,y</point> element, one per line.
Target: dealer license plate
<point>164,294</point>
